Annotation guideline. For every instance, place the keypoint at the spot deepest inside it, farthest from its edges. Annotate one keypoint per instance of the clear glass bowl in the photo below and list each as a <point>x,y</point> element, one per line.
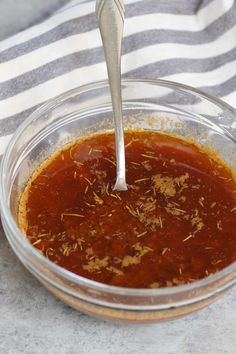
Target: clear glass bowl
<point>154,105</point>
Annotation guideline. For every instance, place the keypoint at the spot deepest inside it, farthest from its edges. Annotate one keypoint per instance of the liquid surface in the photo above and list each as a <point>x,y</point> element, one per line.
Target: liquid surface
<point>174,225</point>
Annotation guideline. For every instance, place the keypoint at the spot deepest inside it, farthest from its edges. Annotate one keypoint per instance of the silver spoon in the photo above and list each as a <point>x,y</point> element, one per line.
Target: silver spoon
<point>110,15</point>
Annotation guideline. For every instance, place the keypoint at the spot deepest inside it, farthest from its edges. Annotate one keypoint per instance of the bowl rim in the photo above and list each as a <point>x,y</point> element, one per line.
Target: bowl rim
<point>19,237</point>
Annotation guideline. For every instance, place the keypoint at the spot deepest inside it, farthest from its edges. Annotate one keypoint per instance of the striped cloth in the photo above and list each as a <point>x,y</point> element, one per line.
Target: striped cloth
<point>192,42</point>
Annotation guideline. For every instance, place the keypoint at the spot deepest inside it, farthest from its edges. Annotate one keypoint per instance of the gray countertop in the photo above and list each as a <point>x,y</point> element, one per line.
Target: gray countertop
<point>33,321</point>
<point>16,15</point>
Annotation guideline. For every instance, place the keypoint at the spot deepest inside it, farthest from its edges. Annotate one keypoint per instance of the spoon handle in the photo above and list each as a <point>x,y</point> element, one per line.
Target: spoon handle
<point>110,15</point>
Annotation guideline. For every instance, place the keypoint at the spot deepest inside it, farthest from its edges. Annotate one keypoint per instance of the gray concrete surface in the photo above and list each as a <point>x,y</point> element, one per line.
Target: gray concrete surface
<point>32,321</point>
<point>16,15</point>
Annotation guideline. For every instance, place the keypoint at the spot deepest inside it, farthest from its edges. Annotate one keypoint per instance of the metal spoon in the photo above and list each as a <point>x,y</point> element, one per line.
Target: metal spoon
<point>110,15</point>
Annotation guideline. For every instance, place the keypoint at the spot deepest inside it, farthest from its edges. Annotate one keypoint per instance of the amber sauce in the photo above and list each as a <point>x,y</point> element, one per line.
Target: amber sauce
<point>174,225</point>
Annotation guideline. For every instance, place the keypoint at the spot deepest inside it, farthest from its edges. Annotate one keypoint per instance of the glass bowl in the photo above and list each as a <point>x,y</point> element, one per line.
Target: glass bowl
<point>147,104</point>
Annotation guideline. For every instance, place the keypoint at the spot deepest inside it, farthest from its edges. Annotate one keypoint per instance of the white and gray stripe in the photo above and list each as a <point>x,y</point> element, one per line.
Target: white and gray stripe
<point>193,42</point>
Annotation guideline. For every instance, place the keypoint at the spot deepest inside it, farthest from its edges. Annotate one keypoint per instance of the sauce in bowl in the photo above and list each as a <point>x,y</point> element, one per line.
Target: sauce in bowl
<point>175,224</point>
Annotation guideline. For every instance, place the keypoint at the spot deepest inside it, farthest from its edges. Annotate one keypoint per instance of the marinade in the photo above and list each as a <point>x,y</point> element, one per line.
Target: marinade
<point>175,224</point>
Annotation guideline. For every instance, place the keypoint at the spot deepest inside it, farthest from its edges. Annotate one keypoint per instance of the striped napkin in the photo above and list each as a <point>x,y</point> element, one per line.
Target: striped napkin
<point>192,42</point>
